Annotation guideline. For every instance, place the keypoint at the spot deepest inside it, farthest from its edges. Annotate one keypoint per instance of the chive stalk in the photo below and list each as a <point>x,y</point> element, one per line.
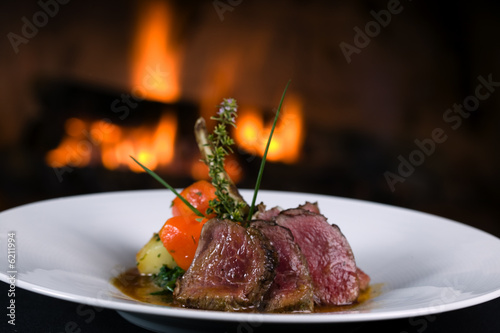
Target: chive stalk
<point>164,183</point>
<point>263,162</point>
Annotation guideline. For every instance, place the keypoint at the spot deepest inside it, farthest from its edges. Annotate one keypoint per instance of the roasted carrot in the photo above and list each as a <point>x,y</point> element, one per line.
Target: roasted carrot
<point>197,194</point>
<point>180,236</point>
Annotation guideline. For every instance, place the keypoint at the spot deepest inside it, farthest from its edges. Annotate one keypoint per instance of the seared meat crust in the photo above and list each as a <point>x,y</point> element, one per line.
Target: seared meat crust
<point>291,289</point>
<point>329,256</point>
<point>232,269</point>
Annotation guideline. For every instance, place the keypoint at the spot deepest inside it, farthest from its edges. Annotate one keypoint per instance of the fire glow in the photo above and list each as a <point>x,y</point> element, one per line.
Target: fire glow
<point>155,58</point>
<point>99,142</point>
<point>155,64</point>
<point>156,61</point>
<point>252,133</point>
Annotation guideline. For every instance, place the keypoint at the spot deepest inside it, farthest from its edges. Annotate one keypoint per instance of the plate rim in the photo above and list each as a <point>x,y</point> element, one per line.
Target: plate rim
<point>174,312</point>
<point>295,318</point>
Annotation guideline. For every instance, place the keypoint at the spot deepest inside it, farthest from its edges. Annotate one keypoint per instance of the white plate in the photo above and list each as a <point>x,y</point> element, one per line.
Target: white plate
<point>70,248</point>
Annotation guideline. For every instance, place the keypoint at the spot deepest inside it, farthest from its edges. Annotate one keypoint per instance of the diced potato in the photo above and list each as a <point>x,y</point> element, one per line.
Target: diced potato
<point>153,256</point>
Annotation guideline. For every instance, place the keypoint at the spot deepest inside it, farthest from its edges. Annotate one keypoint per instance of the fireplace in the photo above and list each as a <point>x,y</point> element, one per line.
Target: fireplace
<point>99,82</point>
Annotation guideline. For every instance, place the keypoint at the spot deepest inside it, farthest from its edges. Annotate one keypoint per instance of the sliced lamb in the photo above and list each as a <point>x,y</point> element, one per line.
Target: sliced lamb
<point>330,259</point>
<point>310,206</point>
<point>232,269</point>
<point>266,215</point>
<point>270,214</point>
<point>291,289</point>
<point>364,279</point>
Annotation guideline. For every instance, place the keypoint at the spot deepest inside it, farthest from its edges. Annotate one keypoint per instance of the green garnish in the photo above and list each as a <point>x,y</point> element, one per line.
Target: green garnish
<point>229,204</point>
<point>164,183</point>
<point>261,170</point>
<point>225,206</point>
<point>166,278</point>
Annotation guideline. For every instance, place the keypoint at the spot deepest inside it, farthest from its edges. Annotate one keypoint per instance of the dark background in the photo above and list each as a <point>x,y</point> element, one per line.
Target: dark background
<point>360,116</point>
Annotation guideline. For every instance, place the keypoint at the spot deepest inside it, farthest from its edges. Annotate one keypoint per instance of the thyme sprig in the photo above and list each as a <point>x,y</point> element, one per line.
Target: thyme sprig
<point>220,142</point>
<point>218,146</point>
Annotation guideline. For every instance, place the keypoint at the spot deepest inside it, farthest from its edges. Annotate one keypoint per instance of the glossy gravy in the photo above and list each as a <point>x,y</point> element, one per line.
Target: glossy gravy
<point>140,287</point>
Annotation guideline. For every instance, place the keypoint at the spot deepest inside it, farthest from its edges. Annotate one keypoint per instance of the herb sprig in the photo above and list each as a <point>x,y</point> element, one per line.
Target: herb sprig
<point>215,147</point>
<point>220,142</point>
<point>166,279</point>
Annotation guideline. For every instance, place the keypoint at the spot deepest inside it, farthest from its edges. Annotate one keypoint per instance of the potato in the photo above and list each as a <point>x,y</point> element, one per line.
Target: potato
<point>153,256</point>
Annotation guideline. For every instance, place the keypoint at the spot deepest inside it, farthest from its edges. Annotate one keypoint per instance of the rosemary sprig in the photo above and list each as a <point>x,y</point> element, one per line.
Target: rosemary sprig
<point>164,183</point>
<point>225,206</point>
<point>262,164</point>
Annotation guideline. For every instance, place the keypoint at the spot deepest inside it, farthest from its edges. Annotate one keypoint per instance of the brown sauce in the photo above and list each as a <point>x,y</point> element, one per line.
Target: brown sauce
<point>140,287</point>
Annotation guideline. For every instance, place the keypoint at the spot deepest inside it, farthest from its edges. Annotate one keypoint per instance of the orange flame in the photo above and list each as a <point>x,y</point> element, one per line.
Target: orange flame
<point>199,170</point>
<point>155,60</point>
<point>252,133</point>
<point>88,142</point>
<point>219,82</point>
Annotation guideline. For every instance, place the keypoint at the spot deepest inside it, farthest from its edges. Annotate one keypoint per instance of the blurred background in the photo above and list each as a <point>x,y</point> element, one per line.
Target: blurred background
<point>85,84</point>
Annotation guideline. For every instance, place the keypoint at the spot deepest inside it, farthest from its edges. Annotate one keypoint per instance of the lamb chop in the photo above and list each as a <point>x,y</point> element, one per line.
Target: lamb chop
<point>287,265</point>
<point>330,259</point>
<point>272,213</point>
<point>201,134</point>
<point>291,290</point>
<point>364,279</point>
<point>232,269</point>
<point>311,207</point>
